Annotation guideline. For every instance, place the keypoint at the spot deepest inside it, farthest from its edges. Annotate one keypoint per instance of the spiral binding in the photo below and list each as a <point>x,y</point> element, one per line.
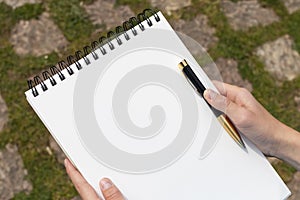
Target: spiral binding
<point>71,59</point>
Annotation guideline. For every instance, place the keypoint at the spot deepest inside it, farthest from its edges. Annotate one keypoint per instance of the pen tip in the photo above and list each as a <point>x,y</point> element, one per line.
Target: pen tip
<point>242,144</point>
<point>231,130</point>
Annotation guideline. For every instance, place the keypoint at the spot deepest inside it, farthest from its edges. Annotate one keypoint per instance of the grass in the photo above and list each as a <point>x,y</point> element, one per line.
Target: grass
<point>26,130</point>
<point>136,6</point>
<point>28,11</point>
<point>71,19</point>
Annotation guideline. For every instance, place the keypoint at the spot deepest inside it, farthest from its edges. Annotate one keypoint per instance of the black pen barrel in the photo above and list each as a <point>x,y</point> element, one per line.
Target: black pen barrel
<point>187,70</point>
<point>222,118</point>
<point>190,74</point>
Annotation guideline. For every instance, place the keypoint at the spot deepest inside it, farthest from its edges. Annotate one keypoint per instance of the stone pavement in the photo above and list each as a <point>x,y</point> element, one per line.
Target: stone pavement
<point>170,5</point>
<point>284,63</point>
<point>3,113</point>
<point>37,37</point>
<point>246,14</point>
<point>294,186</point>
<point>12,173</point>
<point>292,5</point>
<point>42,36</point>
<point>59,154</point>
<point>226,70</point>
<point>17,3</point>
<point>198,29</point>
<point>103,12</point>
<point>230,73</point>
<point>297,100</point>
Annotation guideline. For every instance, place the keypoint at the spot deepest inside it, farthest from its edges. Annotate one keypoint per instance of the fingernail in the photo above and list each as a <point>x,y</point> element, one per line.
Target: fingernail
<point>105,184</point>
<point>210,94</point>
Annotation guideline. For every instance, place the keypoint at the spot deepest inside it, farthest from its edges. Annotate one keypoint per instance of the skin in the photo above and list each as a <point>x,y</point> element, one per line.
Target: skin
<point>270,135</point>
<point>108,189</point>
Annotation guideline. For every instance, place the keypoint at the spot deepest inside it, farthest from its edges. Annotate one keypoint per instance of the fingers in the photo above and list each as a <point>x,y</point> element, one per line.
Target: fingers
<point>238,95</point>
<point>235,112</point>
<point>230,91</point>
<point>110,191</point>
<point>82,186</point>
<point>220,86</point>
<point>216,100</point>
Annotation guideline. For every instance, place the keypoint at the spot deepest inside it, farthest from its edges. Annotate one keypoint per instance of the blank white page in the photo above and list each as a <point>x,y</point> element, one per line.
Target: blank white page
<point>131,116</point>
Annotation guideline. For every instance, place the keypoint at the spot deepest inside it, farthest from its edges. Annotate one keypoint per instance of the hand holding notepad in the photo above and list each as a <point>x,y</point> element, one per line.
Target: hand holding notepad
<point>128,114</point>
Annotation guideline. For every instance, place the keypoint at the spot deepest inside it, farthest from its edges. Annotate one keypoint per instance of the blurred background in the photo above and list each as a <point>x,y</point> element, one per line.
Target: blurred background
<point>255,44</point>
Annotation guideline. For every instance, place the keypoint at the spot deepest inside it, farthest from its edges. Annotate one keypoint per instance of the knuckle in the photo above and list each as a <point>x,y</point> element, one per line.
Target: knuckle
<point>228,102</point>
<point>244,92</point>
<point>243,119</point>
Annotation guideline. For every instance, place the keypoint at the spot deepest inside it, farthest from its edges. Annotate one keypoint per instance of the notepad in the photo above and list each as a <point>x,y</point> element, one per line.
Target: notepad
<point>121,109</point>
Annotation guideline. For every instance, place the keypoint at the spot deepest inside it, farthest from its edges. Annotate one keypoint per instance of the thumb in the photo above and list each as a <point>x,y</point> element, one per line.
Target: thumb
<point>235,112</point>
<point>110,191</point>
<point>216,100</point>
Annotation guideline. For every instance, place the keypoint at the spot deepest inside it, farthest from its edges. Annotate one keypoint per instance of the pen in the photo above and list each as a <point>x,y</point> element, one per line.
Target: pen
<point>222,118</point>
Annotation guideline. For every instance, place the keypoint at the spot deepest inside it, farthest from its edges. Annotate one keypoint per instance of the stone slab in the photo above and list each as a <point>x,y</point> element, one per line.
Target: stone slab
<point>227,71</point>
<point>170,5</point>
<point>297,100</point>
<point>104,12</point>
<point>37,37</point>
<point>17,3</point>
<point>280,59</point>
<point>247,13</point>
<point>292,5</point>
<point>294,186</point>
<point>3,113</point>
<point>60,156</point>
<point>198,29</point>
<point>12,173</point>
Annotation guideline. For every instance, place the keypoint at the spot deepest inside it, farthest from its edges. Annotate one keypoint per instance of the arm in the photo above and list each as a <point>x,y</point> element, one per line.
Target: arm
<point>289,145</point>
<point>256,123</point>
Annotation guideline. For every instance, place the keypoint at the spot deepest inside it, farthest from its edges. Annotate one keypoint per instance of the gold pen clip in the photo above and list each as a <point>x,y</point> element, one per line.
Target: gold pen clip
<point>181,65</point>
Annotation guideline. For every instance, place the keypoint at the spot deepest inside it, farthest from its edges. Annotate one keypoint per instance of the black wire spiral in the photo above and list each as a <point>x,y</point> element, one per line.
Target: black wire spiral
<point>90,49</point>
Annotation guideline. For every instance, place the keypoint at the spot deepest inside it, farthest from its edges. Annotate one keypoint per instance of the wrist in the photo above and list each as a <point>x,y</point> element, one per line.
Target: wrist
<point>273,134</point>
<point>288,145</point>
<point>280,139</point>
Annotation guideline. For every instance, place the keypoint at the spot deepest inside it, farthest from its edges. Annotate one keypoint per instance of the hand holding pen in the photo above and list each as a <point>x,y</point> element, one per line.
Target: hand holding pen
<point>250,117</point>
<point>221,116</point>
<point>270,135</point>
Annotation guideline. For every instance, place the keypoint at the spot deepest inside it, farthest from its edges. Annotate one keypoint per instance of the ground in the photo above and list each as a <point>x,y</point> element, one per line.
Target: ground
<point>255,43</point>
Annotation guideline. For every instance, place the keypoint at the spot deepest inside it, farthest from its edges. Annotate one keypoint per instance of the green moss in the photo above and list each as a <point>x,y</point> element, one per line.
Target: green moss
<point>277,6</point>
<point>28,11</point>
<point>293,26</point>
<point>88,1</point>
<point>71,19</point>
<point>285,170</point>
<point>6,23</point>
<point>26,130</point>
<point>136,6</point>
